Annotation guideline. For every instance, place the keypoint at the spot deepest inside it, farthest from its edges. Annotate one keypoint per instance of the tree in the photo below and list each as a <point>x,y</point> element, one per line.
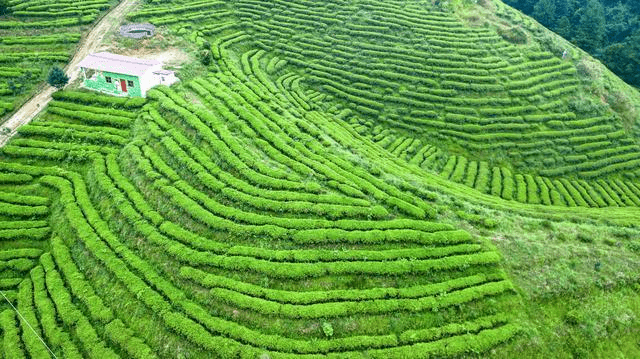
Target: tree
<point>13,87</point>
<point>205,57</point>
<point>591,26</point>
<point>545,12</point>
<point>621,22</point>
<point>525,6</point>
<point>4,7</point>
<point>57,78</point>
<point>563,27</point>
<point>624,59</point>
<point>563,8</point>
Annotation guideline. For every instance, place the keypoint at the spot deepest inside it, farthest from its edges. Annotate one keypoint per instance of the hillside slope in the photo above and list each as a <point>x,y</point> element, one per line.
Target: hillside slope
<point>89,44</point>
<point>345,179</point>
<point>36,35</point>
<point>500,116</point>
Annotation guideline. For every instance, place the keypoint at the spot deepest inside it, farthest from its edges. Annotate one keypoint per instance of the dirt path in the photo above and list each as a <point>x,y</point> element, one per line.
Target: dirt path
<point>89,44</point>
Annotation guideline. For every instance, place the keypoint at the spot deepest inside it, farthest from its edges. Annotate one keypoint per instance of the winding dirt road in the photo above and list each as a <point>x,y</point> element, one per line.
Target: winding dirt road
<point>88,44</point>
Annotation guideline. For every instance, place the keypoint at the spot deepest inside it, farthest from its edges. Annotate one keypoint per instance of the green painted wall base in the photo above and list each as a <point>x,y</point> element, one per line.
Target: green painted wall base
<point>99,83</point>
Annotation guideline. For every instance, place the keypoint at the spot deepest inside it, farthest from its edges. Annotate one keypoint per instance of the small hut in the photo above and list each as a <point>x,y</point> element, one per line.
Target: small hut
<point>123,75</point>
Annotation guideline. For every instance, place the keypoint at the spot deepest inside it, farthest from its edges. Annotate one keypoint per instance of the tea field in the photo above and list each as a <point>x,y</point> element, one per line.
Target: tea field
<point>340,179</point>
<point>36,35</point>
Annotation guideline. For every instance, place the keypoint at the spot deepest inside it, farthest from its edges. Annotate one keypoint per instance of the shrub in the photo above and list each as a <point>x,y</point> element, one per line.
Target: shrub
<point>634,246</point>
<point>496,184</point>
<point>584,237</point>
<point>93,99</point>
<point>477,219</point>
<point>513,34</point>
<point>562,236</point>
<point>11,335</point>
<point>327,328</point>
<point>57,78</point>
<point>135,347</point>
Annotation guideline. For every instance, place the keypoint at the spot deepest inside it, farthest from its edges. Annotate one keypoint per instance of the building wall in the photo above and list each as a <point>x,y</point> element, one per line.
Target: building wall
<point>147,79</point>
<point>166,80</point>
<point>99,83</point>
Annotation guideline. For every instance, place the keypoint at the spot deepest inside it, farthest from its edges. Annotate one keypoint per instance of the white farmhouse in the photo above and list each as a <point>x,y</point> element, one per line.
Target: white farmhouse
<point>123,75</point>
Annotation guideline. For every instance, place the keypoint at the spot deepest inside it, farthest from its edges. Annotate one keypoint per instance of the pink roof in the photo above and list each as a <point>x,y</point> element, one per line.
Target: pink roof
<point>105,61</point>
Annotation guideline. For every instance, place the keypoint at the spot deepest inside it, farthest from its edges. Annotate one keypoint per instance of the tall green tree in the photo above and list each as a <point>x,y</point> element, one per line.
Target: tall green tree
<point>591,30</point>
<point>525,6</point>
<point>624,59</point>
<point>563,27</point>
<point>4,7</point>
<point>566,7</point>
<point>621,22</point>
<point>545,12</point>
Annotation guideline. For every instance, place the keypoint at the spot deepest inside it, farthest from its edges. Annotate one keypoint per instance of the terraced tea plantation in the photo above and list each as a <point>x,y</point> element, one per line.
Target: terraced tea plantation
<point>36,35</point>
<point>326,190</point>
<point>408,74</point>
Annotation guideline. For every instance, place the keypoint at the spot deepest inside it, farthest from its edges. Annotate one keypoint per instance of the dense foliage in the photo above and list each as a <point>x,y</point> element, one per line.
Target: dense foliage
<point>57,78</point>
<point>344,179</point>
<point>3,6</point>
<point>608,29</point>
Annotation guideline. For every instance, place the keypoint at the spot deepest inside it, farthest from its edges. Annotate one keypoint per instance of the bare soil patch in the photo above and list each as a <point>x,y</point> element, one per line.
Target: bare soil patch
<point>169,56</point>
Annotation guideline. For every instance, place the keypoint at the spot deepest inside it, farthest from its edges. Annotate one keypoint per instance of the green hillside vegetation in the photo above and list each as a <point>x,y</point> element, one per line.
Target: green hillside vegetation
<point>36,35</point>
<point>335,179</point>
<point>608,29</point>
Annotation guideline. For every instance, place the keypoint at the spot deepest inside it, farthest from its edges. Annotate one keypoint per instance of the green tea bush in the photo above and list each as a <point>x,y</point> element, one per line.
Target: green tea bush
<point>508,184</point>
<point>89,117</point>
<point>70,314</point>
<point>11,339</point>
<point>135,347</point>
<point>584,237</point>
<point>634,246</point>
<point>80,287</point>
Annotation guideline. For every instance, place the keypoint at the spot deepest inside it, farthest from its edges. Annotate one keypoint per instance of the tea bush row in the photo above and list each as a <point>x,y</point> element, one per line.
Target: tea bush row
<point>71,315</point>
<point>371,307</point>
<point>58,339</point>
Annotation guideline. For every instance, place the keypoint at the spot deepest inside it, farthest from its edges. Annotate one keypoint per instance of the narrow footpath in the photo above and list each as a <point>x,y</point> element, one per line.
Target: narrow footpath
<point>88,44</point>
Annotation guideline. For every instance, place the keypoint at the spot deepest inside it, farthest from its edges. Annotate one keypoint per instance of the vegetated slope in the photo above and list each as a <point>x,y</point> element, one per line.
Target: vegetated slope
<point>229,219</point>
<point>508,119</point>
<point>605,28</point>
<point>36,35</point>
<point>459,89</point>
<point>240,214</point>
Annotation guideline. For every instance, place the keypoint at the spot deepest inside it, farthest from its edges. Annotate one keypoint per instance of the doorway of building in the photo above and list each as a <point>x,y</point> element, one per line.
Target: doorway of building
<point>123,85</point>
